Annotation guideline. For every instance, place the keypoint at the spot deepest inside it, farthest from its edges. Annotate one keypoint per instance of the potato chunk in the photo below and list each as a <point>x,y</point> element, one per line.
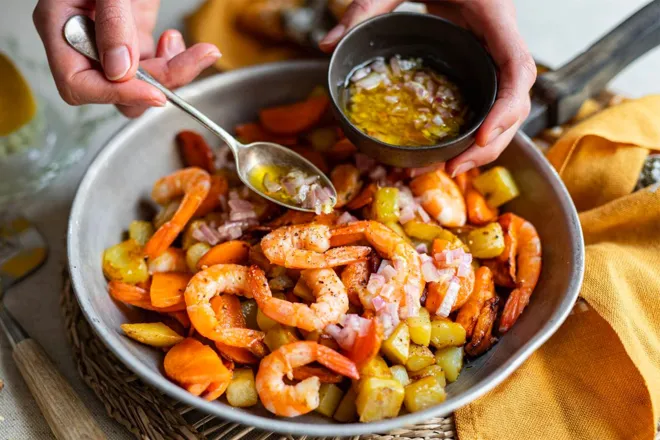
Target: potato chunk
<point>249,309</point>
<point>497,185</point>
<point>155,334</point>
<point>433,371</point>
<point>396,347</point>
<point>379,399</point>
<point>451,361</point>
<point>445,333</point>
<point>279,335</point>
<point>424,393</point>
<point>420,357</point>
<point>487,241</point>
<point>140,231</point>
<point>347,410</point>
<point>242,391</point>
<point>420,327</point>
<point>125,262</point>
<point>386,205</point>
<point>399,373</point>
<point>329,398</point>
<point>195,253</point>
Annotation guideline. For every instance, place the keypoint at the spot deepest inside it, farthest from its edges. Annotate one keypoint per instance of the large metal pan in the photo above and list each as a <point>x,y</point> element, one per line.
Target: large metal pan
<point>124,171</point>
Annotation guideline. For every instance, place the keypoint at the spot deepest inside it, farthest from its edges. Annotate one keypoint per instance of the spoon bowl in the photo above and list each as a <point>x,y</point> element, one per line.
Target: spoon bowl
<point>80,34</point>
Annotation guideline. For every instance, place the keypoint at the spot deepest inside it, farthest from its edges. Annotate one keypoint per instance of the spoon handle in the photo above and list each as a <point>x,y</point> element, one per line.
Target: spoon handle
<point>79,33</point>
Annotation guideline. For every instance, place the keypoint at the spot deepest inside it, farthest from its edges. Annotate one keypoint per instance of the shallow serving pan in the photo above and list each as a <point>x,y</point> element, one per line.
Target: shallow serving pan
<point>122,175</point>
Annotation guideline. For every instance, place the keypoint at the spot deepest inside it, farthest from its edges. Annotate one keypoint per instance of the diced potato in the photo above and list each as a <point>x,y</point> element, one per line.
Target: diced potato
<point>329,397</point>
<point>125,262</point>
<point>432,370</point>
<point>264,322</point>
<point>486,242</point>
<point>376,367</point>
<point>497,185</point>
<point>155,334</point>
<point>420,357</point>
<point>396,227</point>
<point>424,393</point>
<point>420,327</point>
<point>140,231</point>
<point>187,238</point>
<point>427,231</point>
<point>386,205</point>
<point>347,410</point>
<point>396,347</point>
<point>445,333</point>
<point>302,291</point>
<point>323,138</point>
<point>451,361</point>
<point>249,308</point>
<point>379,399</point>
<point>194,254</point>
<point>166,213</point>
<point>279,335</point>
<point>242,391</point>
<point>399,373</point>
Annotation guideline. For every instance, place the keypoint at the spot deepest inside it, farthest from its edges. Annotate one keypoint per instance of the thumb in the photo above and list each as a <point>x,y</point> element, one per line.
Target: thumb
<point>357,12</point>
<point>117,39</point>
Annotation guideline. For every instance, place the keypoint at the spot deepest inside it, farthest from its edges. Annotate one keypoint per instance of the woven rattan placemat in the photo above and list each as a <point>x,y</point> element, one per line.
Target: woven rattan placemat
<point>149,414</point>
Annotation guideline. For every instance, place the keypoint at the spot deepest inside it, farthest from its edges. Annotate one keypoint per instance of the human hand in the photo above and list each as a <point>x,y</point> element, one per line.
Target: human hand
<point>494,22</point>
<point>123,37</point>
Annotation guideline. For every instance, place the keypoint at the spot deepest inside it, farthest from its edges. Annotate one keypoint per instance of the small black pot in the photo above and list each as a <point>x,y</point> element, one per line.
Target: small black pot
<point>443,46</point>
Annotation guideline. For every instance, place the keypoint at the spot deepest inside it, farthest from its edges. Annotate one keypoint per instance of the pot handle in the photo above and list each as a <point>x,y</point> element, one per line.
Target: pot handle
<point>565,89</point>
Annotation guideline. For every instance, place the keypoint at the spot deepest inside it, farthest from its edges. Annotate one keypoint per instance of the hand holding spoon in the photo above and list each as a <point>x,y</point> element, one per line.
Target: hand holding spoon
<point>79,33</point>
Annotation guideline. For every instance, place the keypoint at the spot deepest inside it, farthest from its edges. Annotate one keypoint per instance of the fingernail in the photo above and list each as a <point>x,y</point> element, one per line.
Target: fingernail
<point>213,53</point>
<point>495,132</point>
<point>462,168</point>
<point>159,102</point>
<point>175,44</point>
<point>116,62</point>
<point>334,35</point>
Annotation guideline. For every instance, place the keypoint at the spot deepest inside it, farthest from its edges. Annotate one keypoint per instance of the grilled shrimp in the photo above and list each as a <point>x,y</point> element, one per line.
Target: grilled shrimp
<point>407,283</point>
<point>527,273</point>
<point>194,184</point>
<point>308,247</point>
<point>355,278</point>
<point>294,400</point>
<point>171,260</point>
<point>482,336</point>
<point>204,286</point>
<point>346,180</point>
<point>440,197</point>
<point>331,300</point>
<point>478,211</point>
<point>484,289</point>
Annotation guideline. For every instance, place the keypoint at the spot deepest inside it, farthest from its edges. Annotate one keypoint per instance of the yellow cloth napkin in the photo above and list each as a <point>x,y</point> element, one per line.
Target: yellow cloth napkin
<point>598,377</point>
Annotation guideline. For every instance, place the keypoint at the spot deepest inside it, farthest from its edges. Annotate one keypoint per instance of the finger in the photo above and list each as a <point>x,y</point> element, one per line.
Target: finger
<point>357,12</point>
<point>145,13</point>
<point>476,156</point>
<point>170,44</point>
<point>178,71</point>
<point>117,39</point>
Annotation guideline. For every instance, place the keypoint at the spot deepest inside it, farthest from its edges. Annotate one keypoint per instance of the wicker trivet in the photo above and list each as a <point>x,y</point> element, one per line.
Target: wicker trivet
<point>151,415</point>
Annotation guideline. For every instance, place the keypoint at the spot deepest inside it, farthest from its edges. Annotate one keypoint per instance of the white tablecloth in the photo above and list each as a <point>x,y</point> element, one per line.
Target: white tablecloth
<point>555,31</point>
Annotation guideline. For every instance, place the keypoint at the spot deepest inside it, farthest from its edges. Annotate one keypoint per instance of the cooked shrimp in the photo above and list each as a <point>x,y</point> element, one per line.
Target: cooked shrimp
<point>504,266</point>
<point>208,283</point>
<point>437,291</point>
<point>484,289</point>
<point>194,185</point>
<point>171,260</point>
<point>331,300</point>
<point>291,217</point>
<point>346,180</point>
<point>482,337</point>
<point>527,274</point>
<point>440,197</point>
<point>407,282</point>
<point>478,211</point>
<point>294,400</point>
<point>355,278</point>
<point>308,247</point>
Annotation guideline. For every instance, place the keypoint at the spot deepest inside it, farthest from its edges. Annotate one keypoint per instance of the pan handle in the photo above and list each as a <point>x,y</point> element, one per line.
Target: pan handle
<point>565,89</point>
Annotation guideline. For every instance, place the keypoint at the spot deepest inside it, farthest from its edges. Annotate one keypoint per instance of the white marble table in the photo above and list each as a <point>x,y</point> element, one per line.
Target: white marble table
<point>555,31</point>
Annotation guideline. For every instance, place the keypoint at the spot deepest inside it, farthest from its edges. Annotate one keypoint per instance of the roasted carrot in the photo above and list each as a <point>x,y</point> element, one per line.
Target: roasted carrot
<point>367,346</point>
<point>197,389</point>
<point>227,309</point>
<point>237,354</point>
<point>230,252</point>
<point>219,187</point>
<point>439,245</point>
<point>315,157</point>
<point>216,389</point>
<point>191,362</point>
<point>138,297</point>
<point>167,289</point>
<point>195,151</point>
<point>342,150</point>
<point>253,132</point>
<point>365,197</point>
<point>324,375</point>
<point>478,211</point>
<point>294,118</point>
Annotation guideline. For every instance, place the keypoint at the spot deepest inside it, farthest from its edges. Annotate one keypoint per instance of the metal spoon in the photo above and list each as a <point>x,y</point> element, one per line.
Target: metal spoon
<point>79,33</point>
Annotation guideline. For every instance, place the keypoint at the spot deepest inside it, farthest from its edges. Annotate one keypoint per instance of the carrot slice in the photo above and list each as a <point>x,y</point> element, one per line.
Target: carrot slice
<point>324,375</point>
<point>237,354</point>
<point>367,347</point>
<point>194,150</point>
<point>294,118</point>
<point>365,197</point>
<point>439,245</point>
<point>314,157</point>
<point>138,297</point>
<point>167,289</point>
<point>191,362</point>
<point>197,389</point>
<point>230,252</point>
<point>227,309</point>
<point>253,132</point>
<point>342,150</point>
<point>215,390</point>
<point>219,187</point>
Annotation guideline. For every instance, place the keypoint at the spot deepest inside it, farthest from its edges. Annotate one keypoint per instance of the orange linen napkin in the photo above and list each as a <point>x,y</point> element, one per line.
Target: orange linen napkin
<point>215,22</point>
<point>598,377</point>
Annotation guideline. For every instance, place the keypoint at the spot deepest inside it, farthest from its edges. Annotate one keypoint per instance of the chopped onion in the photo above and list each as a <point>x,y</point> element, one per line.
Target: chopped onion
<point>378,303</point>
<point>395,65</point>
<point>383,264</point>
<point>423,215</point>
<point>205,234</point>
<point>371,81</point>
<point>387,291</point>
<point>388,272</point>
<point>391,99</point>
<point>271,185</point>
<point>364,162</point>
<point>406,214</point>
<point>421,248</point>
<point>378,173</point>
<point>449,299</point>
<point>345,218</point>
<point>360,73</point>
<point>430,272</point>
<point>242,215</point>
<point>437,120</point>
<point>376,282</point>
<point>463,269</point>
<point>379,66</point>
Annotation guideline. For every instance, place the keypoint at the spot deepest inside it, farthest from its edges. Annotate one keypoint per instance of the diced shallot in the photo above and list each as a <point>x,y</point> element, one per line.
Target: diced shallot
<point>421,248</point>
<point>406,214</point>
<point>378,173</point>
<point>360,73</point>
<point>463,270</point>
<point>423,215</point>
<point>449,299</point>
<point>378,303</point>
<point>345,218</point>
<point>371,81</point>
